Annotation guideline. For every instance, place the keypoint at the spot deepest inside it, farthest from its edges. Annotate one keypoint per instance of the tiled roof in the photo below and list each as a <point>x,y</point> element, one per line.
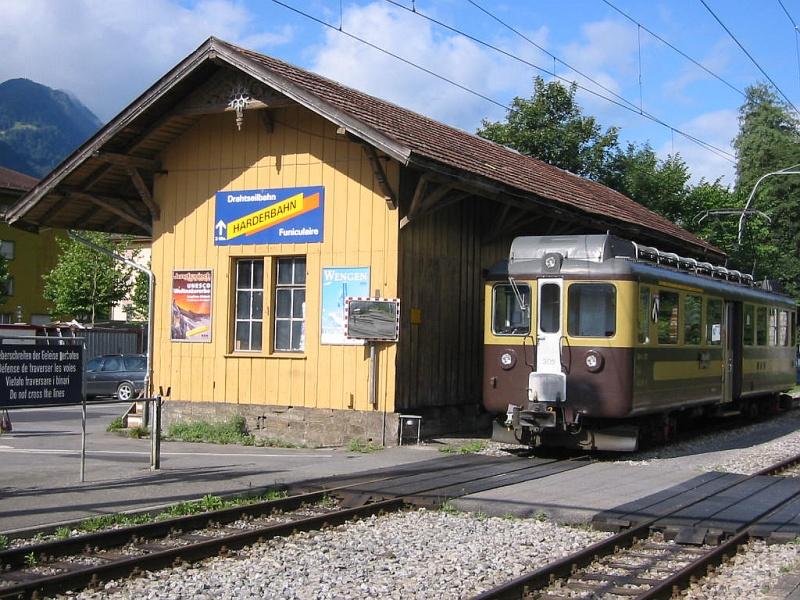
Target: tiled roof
<point>14,180</point>
<point>438,142</point>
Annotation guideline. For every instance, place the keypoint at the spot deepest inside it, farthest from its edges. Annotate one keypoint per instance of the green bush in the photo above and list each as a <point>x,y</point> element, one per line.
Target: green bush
<point>116,424</point>
<point>232,431</point>
<point>361,445</point>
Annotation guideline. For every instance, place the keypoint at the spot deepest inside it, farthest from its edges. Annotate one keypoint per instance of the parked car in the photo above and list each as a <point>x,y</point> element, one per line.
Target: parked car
<point>120,375</point>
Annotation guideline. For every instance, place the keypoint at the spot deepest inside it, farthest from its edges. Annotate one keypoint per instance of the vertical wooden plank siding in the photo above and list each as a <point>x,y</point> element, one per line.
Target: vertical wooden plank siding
<point>302,150</point>
<point>441,260</point>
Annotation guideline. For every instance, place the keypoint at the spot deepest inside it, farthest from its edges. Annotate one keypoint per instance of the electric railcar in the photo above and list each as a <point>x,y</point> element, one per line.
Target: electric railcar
<point>596,342</point>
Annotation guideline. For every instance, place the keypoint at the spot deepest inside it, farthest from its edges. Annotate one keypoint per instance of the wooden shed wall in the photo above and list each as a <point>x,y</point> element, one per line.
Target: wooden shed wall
<point>440,360</point>
<point>359,230</point>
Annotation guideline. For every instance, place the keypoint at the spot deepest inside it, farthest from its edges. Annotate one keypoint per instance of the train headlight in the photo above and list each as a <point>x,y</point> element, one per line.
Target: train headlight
<point>508,359</point>
<point>594,361</point>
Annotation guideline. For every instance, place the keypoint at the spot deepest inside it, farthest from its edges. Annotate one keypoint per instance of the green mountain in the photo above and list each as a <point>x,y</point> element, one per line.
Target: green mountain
<point>40,126</point>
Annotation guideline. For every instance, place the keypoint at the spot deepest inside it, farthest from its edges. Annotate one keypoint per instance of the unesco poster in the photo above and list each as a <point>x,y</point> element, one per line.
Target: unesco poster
<point>191,306</point>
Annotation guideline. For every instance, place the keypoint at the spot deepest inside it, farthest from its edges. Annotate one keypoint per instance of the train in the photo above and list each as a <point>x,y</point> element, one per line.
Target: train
<point>595,342</point>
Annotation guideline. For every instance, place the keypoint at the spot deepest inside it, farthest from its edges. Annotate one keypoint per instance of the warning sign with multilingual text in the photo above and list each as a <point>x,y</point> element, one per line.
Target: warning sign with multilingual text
<point>40,375</point>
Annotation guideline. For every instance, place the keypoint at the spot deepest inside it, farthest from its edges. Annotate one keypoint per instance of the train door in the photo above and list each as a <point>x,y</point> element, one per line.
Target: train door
<point>549,326</point>
<point>731,351</point>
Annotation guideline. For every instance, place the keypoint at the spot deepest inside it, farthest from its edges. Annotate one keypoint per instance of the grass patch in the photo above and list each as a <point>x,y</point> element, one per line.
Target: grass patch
<point>232,431</point>
<point>30,559</point>
<point>63,533</point>
<point>138,432</point>
<point>268,442</point>
<point>116,424</point>
<point>449,508</point>
<point>3,542</point>
<point>363,446</point>
<point>468,448</point>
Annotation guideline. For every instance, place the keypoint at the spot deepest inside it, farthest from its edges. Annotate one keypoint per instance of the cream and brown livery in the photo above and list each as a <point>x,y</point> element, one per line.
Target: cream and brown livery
<point>596,342</point>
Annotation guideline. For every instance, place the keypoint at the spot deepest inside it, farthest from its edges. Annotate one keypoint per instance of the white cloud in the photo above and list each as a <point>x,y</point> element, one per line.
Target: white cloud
<point>106,52</point>
<point>417,40</point>
<point>715,61</point>
<point>717,128</point>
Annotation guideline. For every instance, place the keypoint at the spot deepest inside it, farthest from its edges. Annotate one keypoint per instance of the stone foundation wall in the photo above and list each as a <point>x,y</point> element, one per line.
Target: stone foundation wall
<point>313,427</point>
<point>318,427</point>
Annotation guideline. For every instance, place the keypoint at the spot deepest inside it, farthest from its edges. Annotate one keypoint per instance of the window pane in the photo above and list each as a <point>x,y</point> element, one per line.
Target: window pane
<point>592,310</point>
<point>258,305</point>
<point>644,315</point>
<point>258,274</point>
<point>298,301</point>
<point>749,325</point>
<point>255,338</point>
<point>282,335</point>
<point>285,271</point>
<point>692,319</point>
<point>509,318</point>
<point>792,329</point>
<point>242,341</point>
<point>667,317</point>
<point>297,335</point>
<point>773,327</point>
<point>550,308</point>
<point>135,363</point>
<point>783,328</point>
<point>94,364</point>
<point>300,271</point>
<point>714,322</point>
<point>243,270</point>
<point>112,364</point>
<point>283,307</point>
<point>761,326</point>
<point>242,305</point>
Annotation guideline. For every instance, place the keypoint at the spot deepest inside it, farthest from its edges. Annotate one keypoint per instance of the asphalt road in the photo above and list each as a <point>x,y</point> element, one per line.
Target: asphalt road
<point>40,467</point>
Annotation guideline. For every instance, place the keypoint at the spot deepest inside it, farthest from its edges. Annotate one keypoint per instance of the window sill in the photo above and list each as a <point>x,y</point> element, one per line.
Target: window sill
<point>279,355</point>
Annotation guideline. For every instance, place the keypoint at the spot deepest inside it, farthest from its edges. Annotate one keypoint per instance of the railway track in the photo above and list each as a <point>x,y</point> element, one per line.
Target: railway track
<point>640,562</point>
<point>53,567</point>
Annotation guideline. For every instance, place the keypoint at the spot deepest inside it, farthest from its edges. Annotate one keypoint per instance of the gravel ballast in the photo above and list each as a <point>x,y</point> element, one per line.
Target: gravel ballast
<point>414,554</point>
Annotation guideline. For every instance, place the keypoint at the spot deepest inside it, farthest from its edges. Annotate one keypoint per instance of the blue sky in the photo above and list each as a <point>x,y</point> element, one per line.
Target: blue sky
<point>107,51</point>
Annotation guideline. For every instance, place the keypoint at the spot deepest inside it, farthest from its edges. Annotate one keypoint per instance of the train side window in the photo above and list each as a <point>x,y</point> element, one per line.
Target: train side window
<point>667,303</point>
<point>644,315</point>
<point>692,319</point>
<point>592,310</point>
<point>509,318</point>
<point>761,326</point>
<point>714,322</point>
<point>783,328</point>
<point>749,325</point>
<point>773,327</point>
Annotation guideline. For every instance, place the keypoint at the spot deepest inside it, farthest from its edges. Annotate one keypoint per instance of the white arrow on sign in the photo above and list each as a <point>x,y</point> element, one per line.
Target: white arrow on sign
<point>220,227</point>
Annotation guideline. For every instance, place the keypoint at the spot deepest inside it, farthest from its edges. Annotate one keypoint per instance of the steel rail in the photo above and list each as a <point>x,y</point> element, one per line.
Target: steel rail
<point>91,575</point>
<point>90,544</point>
<point>564,567</point>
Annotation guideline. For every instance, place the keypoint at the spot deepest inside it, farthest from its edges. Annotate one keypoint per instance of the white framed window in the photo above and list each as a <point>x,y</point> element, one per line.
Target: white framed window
<point>249,305</point>
<point>8,286</point>
<point>290,304</point>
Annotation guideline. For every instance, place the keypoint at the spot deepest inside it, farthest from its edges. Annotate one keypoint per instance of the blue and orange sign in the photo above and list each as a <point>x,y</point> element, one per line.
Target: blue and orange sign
<point>276,216</point>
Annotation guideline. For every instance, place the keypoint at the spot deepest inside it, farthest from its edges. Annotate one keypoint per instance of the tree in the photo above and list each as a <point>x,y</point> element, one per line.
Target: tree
<point>139,308</point>
<point>769,140</point>
<point>4,275</point>
<point>658,184</point>
<point>550,126</point>
<point>85,283</point>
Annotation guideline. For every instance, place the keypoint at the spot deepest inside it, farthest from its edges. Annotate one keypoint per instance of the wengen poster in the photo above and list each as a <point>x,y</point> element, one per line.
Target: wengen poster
<point>191,306</point>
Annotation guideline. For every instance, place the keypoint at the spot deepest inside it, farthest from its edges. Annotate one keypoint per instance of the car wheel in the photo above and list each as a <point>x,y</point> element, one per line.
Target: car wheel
<point>124,391</point>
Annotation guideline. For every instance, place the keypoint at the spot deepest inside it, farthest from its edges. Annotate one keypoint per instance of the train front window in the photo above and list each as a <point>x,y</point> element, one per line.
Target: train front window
<point>509,318</point>
<point>550,308</point>
<point>592,310</point>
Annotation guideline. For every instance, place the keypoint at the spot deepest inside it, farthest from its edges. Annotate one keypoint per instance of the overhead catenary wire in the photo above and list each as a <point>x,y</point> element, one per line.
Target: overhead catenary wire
<point>750,56</point>
<point>796,36</point>
<point>675,48</point>
<point>627,105</point>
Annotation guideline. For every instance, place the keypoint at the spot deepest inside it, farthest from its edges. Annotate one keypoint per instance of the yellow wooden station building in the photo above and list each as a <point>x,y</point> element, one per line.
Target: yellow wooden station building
<point>272,195</point>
